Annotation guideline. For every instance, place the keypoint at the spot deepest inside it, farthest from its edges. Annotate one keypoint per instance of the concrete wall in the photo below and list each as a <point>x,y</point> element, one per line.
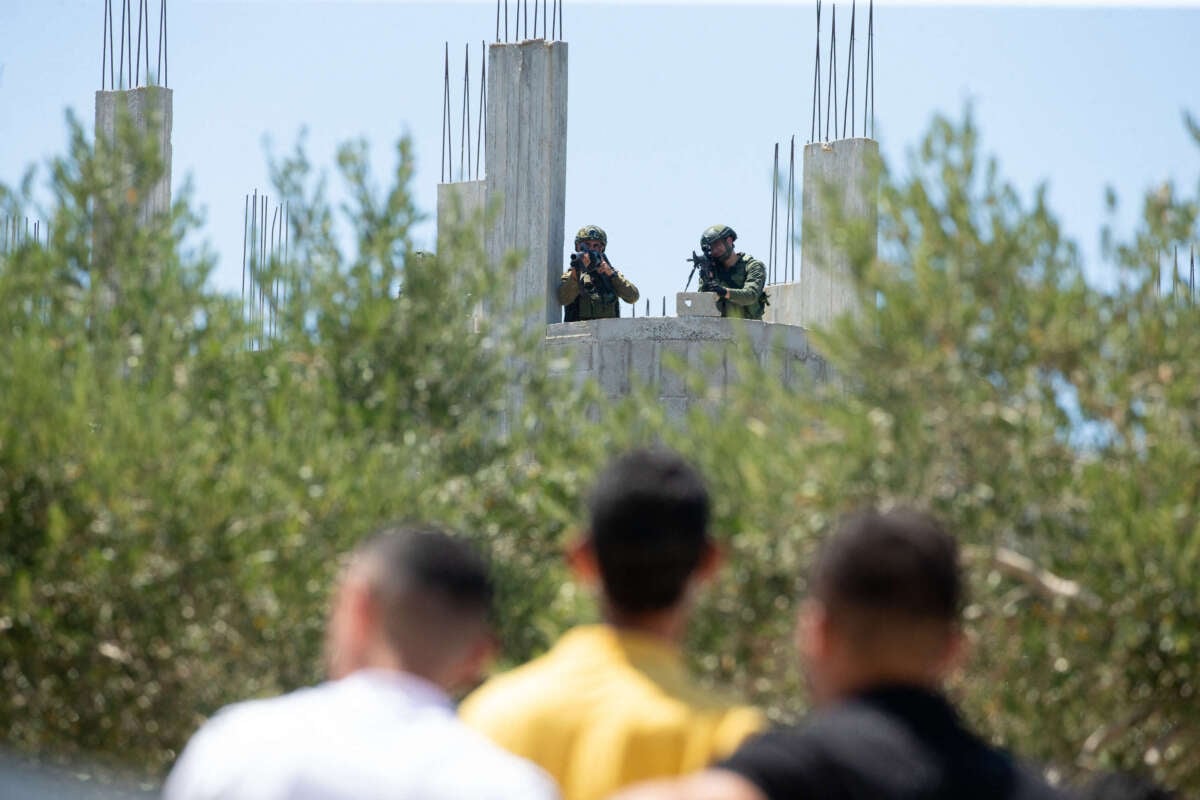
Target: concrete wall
<point>620,352</point>
<point>846,171</point>
<point>526,151</point>
<point>149,108</point>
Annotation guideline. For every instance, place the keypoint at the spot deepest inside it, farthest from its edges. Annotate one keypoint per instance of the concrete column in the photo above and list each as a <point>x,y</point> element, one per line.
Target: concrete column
<point>149,109</point>
<point>840,181</point>
<point>460,204</point>
<point>526,151</point>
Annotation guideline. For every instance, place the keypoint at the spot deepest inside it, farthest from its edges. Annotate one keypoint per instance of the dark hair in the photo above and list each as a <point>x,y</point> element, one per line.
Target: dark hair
<point>1124,786</point>
<point>424,577</point>
<point>649,527</point>
<point>900,563</point>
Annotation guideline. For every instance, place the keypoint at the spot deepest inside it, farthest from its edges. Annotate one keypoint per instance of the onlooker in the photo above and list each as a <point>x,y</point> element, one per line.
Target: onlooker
<point>409,621</point>
<point>878,636</point>
<point>591,286</point>
<point>739,280</point>
<point>1124,786</point>
<point>612,704</point>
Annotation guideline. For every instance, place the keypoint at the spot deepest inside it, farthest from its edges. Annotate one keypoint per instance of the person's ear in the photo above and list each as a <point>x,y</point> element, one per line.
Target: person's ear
<point>581,558</point>
<point>711,561</point>
<point>472,667</point>
<point>956,652</point>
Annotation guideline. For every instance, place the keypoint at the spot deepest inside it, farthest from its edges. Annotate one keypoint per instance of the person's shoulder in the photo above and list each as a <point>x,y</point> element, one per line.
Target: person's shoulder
<point>503,694</point>
<point>750,260</point>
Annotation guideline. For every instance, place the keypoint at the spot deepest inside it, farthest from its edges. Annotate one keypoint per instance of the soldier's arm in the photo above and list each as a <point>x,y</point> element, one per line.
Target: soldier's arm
<point>625,288</point>
<point>756,279</point>
<point>568,288</point>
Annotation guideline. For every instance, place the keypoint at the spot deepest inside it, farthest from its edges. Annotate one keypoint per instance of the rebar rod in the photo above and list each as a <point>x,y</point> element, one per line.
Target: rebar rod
<point>773,239</point>
<point>816,110</point>
<point>104,43</point>
<point>464,136</point>
<point>479,141</point>
<point>870,69</point>
<point>791,223</point>
<point>137,61</point>
<point>847,106</point>
<point>446,149</point>
<point>832,93</point>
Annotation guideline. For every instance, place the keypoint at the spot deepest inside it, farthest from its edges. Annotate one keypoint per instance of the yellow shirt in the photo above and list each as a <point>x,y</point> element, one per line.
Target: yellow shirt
<point>605,708</point>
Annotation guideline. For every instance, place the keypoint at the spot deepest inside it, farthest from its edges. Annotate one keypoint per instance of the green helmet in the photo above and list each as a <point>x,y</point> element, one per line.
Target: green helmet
<point>592,232</point>
<point>714,233</point>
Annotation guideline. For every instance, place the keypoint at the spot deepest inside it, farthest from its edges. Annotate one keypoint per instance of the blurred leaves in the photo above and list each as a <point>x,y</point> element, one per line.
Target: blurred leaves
<point>173,502</point>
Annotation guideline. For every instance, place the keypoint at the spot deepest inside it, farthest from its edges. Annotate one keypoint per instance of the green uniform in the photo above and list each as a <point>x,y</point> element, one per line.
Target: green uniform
<point>586,298</point>
<point>744,281</point>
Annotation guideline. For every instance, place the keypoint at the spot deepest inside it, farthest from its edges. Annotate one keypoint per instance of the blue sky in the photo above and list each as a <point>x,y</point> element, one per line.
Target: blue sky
<point>674,107</point>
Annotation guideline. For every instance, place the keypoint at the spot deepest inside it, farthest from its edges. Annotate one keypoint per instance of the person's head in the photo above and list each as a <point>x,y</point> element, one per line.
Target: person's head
<point>647,536</point>
<point>414,599</point>
<point>1124,786</point>
<point>884,603</point>
<point>717,241</point>
<point>591,237</point>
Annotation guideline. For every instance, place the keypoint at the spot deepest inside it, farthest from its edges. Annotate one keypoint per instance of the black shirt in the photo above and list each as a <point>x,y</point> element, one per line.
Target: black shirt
<point>893,743</point>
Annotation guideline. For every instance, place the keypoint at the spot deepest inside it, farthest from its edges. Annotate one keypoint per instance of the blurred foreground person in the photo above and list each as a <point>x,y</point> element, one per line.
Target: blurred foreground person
<point>878,636</point>
<point>408,623</point>
<point>612,704</point>
<point>1125,786</point>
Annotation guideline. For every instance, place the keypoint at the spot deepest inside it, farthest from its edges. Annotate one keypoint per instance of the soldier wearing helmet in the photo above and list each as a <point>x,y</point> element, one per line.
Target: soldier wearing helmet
<point>737,279</point>
<point>590,287</point>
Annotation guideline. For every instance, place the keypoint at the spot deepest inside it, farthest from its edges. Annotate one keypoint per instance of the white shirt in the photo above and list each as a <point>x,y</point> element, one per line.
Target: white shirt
<point>369,736</point>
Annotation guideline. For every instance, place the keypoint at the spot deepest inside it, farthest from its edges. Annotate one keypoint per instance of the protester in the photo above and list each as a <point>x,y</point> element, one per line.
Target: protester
<point>878,637</point>
<point>613,703</point>
<point>408,623</point>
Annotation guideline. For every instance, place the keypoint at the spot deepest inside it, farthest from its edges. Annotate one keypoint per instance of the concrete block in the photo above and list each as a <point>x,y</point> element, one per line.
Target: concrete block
<point>696,304</point>
<point>785,304</point>
<point>526,148</point>
<point>643,361</point>
<point>613,368</point>
<point>840,185</point>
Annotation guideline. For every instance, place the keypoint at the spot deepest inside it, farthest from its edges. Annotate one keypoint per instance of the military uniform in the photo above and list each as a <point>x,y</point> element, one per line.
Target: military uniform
<point>587,298</point>
<point>744,281</point>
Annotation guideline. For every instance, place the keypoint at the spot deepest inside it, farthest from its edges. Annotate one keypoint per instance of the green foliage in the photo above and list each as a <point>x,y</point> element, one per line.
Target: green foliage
<point>175,490</point>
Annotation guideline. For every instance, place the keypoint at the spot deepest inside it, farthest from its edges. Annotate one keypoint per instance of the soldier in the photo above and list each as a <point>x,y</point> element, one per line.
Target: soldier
<point>736,278</point>
<point>590,287</point>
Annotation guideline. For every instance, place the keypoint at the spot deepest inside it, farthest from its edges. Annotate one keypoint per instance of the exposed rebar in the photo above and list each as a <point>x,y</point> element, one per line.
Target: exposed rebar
<point>816,113</point>
<point>464,143</point>
<point>831,96</point>
<point>847,106</point>
<point>791,211</point>
<point>446,148</point>
<point>773,239</point>
<point>479,141</point>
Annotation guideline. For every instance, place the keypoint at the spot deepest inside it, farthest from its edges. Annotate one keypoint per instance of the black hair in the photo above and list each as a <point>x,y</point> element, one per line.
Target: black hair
<point>649,513</point>
<point>900,562</point>
<point>421,576</point>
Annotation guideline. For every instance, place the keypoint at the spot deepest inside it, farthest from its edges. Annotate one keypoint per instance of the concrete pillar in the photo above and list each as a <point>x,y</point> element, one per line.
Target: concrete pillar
<point>526,151</point>
<point>149,109</point>
<point>460,204</point>
<point>844,173</point>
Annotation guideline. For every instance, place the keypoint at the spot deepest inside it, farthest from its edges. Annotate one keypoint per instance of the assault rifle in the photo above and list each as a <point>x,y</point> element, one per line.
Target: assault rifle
<point>704,263</point>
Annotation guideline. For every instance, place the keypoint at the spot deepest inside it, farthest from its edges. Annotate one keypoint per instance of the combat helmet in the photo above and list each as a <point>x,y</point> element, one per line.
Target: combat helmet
<point>591,232</point>
<point>714,233</point>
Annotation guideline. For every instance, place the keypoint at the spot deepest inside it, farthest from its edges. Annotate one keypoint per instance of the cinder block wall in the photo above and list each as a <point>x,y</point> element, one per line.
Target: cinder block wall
<point>619,352</point>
